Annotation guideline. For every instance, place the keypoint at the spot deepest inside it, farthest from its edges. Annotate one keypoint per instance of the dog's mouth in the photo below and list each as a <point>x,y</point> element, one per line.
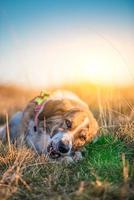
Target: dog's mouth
<point>53,152</point>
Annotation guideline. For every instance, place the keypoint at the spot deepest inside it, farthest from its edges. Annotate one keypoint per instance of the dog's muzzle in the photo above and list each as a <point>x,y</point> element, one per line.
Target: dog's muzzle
<point>60,145</point>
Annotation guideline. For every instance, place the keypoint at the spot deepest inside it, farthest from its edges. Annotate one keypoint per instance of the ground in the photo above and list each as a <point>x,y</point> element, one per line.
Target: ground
<point>106,171</point>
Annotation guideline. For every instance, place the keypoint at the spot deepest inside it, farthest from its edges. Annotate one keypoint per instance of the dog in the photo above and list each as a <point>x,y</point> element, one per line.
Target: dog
<point>64,124</point>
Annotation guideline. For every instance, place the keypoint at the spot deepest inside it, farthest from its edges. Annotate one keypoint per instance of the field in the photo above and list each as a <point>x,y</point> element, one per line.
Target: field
<point>107,170</point>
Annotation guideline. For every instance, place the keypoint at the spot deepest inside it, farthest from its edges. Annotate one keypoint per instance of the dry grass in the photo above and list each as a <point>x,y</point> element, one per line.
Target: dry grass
<point>13,162</point>
<point>105,173</point>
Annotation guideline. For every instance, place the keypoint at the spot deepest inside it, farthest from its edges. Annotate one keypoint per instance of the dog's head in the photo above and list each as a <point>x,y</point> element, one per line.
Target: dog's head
<point>70,124</point>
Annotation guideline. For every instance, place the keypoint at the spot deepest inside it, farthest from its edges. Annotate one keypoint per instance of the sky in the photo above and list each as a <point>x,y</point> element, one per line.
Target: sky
<point>51,42</point>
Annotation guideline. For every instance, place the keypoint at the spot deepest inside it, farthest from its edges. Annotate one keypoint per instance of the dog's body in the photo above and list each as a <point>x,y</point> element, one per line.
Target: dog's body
<point>65,124</point>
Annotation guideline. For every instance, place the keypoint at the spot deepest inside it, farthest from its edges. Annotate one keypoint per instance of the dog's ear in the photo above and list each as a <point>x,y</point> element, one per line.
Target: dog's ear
<point>56,107</point>
<point>49,109</point>
<point>93,127</point>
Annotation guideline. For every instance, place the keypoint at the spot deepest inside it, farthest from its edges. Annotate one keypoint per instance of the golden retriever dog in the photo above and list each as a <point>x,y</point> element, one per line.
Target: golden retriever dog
<point>57,126</point>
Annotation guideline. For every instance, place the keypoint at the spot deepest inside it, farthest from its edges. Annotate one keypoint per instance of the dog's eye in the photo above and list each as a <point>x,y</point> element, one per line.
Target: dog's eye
<point>68,123</point>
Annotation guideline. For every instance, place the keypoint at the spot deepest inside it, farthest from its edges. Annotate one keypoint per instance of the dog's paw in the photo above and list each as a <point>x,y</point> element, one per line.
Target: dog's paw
<point>77,156</point>
<point>72,159</point>
<point>67,159</point>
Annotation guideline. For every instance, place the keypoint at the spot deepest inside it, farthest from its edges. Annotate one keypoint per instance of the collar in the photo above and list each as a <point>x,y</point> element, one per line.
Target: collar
<point>40,102</point>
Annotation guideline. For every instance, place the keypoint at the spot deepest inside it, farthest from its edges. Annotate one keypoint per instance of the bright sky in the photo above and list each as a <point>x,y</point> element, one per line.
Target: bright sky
<point>50,42</point>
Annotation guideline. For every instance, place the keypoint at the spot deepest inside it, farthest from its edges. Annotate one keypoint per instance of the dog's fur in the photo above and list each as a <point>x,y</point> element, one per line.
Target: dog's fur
<point>69,125</point>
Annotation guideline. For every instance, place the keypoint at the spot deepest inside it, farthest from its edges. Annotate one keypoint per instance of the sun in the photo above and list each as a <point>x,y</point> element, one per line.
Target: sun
<point>100,64</point>
<point>99,73</point>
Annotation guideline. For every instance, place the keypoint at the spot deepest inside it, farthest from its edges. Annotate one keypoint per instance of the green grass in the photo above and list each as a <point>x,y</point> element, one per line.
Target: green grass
<point>97,176</point>
<point>105,157</point>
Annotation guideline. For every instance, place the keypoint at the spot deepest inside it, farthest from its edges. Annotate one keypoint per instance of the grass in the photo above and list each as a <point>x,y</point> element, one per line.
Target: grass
<point>105,156</point>
<point>99,174</point>
<point>106,172</point>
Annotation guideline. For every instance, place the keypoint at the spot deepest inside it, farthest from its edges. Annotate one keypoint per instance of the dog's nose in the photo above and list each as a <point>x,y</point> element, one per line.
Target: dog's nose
<point>63,148</point>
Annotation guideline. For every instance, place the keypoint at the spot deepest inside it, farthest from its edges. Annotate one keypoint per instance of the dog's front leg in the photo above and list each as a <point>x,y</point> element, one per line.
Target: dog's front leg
<point>28,114</point>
